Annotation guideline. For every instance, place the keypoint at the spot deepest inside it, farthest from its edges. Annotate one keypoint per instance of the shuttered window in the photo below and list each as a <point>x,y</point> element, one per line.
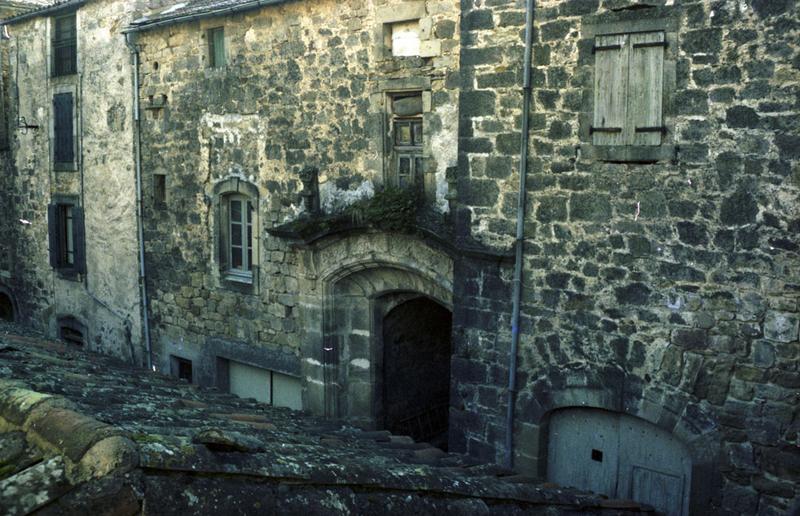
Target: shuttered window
<point>63,134</point>
<point>65,46</point>
<point>628,89</point>
<point>66,237</point>
<point>216,47</point>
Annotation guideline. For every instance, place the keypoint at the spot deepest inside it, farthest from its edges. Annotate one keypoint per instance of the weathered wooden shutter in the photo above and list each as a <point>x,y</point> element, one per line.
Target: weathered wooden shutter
<point>53,225</point>
<point>645,89</point>
<point>219,47</point>
<point>79,237</point>
<point>63,151</point>
<point>610,89</point>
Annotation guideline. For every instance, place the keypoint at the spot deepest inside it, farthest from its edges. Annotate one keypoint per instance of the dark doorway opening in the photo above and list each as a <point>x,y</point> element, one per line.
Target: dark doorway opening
<point>6,308</point>
<point>416,370</point>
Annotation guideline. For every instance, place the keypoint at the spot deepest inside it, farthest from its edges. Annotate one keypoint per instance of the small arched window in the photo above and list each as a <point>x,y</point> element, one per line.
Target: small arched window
<point>237,231</point>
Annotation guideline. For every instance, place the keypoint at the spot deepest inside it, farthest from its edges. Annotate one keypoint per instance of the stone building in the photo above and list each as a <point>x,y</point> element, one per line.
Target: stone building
<point>70,182</point>
<point>331,197</point>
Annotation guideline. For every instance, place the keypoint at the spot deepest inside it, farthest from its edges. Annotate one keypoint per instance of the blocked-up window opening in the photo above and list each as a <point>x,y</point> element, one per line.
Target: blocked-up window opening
<point>405,38</point>
<point>216,47</point>
<point>65,46</point>
<point>628,89</point>
<point>159,190</point>
<point>63,130</point>
<point>264,385</point>
<point>71,331</point>
<point>406,134</point>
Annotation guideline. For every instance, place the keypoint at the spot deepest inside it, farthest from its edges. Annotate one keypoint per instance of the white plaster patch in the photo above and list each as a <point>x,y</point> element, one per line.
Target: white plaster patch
<point>361,363</point>
<point>313,362</point>
<point>334,200</point>
<point>444,146</point>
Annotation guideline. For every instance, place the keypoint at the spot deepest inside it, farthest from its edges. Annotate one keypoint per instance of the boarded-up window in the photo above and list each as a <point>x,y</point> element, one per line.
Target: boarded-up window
<point>66,237</point>
<point>264,385</point>
<point>216,47</point>
<point>65,46</point>
<point>63,130</point>
<point>628,89</point>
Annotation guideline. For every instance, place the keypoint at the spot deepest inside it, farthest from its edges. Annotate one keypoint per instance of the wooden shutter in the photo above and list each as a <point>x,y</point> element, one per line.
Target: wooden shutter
<point>52,233</point>
<point>219,47</point>
<point>610,87</point>
<point>645,90</point>
<point>63,151</point>
<point>79,237</point>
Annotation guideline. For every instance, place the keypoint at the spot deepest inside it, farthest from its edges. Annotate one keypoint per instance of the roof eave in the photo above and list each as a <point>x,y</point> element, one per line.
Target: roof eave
<point>44,11</point>
<point>163,22</point>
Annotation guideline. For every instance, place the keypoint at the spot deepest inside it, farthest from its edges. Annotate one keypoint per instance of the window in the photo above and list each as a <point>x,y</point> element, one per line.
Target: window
<point>628,89</point>
<point>631,57</point>
<point>216,47</point>
<point>65,47</point>
<point>405,38</point>
<point>406,134</point>
<point>159,190</point>
<point>181,368</point>
<point>66,232</point>
<point>63,132</point>
<point>240,248</point>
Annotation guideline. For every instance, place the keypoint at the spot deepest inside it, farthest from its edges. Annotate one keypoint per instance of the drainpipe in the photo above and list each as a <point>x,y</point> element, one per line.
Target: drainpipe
<point>520,240</point>
<point>137,157</point>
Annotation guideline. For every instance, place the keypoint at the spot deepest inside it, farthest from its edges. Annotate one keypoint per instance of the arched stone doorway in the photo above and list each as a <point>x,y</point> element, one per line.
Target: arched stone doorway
<point>415,386</point>
<point>352,282</point>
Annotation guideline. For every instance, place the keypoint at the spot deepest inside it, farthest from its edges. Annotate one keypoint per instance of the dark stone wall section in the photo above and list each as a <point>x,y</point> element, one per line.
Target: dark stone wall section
<point>668,291</point>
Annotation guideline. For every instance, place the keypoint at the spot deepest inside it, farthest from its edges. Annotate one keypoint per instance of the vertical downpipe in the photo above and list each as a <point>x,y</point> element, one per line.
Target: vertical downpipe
<point>520,239</point>
<point>137,140</point>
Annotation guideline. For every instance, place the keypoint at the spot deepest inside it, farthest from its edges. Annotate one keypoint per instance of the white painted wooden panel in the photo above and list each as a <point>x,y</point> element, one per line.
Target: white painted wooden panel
<point>639,460</point>
<point>286,391</point>
<point>655,467</point>
<point>249,382</point>
<point>577,435</point>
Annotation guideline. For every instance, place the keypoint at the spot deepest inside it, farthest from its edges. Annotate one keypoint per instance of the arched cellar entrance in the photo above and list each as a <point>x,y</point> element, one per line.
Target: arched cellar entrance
<point>620,456</point>
<point>415,386</point>
<point>6,308</point>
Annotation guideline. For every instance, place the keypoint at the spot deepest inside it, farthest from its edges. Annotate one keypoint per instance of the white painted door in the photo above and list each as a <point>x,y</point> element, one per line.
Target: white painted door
<point>619,456</point>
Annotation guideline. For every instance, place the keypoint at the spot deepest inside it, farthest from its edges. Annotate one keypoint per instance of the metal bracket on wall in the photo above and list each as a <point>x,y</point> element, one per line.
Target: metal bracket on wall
<point>658,129</point>
<point>593,129</point>
<point>23,124</point>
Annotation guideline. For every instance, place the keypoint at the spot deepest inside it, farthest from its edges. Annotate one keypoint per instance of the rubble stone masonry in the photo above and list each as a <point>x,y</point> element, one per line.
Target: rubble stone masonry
<point>668,291</point>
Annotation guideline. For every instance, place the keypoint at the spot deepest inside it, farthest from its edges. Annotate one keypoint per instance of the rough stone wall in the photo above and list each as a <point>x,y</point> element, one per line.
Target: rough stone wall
<point>305,84</point>
<point>668,291</point>
<point>106,299</point>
